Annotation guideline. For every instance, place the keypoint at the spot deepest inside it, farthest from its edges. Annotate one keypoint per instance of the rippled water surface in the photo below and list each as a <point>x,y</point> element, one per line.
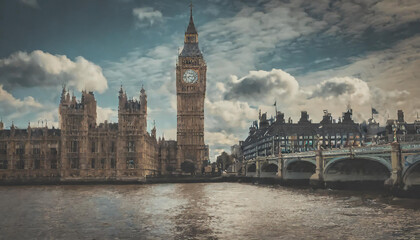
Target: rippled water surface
<point>201,211</point>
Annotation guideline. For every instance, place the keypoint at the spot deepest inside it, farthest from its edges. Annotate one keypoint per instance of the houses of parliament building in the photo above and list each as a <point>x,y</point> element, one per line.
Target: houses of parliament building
<point>82,150</point>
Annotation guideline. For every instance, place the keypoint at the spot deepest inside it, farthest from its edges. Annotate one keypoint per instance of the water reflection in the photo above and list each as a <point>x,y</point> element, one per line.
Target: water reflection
<point>193,220</point>
<point>201,211</point>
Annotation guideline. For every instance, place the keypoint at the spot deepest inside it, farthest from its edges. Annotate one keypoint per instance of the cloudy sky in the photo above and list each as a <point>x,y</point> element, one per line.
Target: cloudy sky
<point>305,55</point>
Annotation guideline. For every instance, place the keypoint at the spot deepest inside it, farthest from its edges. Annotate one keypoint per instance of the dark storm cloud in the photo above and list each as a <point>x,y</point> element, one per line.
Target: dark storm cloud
<point>249,87</point>
<point>257,85</point>
<point>335,89</point>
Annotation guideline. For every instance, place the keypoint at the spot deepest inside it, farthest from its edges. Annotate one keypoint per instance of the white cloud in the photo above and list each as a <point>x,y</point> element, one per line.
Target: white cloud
<point>224,115</point>
<point>47,117</point>
<point>352,18</point>
<point>105,114</point>
<point>13,108</point>
<point>147,16</point>
<point>39,68</point>
<point>7,100</point>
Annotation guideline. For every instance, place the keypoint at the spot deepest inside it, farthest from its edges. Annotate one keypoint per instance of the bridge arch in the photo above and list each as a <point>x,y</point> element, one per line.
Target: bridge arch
<point>269,167</point>
<point>269,170</point>
<point>346,169</point>
<point>251,170</point>
<point>411,176</point>
<point>299,169</point>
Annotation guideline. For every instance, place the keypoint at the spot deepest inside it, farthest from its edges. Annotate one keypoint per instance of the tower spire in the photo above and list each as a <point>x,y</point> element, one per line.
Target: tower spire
<point>191,28</point>
<point>191,48</point>
<point>191,6</point>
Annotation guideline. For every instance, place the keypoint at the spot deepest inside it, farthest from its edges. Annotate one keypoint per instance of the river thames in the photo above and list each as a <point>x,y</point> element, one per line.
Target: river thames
<point>202,211</point>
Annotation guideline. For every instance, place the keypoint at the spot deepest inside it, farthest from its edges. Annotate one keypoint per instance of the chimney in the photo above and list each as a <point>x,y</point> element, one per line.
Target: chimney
<point>400,116</point>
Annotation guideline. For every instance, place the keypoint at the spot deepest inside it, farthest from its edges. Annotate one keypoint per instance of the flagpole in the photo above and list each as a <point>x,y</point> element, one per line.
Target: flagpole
<point>275,107</point>
<point>371,110</point>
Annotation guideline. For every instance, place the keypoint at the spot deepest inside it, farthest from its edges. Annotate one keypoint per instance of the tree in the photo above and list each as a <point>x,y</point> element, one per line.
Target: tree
<point>188,167</point>
<point>224,160</point>
<point>205,163</point>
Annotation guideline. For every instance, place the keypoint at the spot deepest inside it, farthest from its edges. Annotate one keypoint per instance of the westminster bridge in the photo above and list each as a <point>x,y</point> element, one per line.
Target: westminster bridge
<point>396,164</point>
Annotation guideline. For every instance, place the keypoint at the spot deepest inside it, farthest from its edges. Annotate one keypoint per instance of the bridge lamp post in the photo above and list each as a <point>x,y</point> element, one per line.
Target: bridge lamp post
<point>394,130</point>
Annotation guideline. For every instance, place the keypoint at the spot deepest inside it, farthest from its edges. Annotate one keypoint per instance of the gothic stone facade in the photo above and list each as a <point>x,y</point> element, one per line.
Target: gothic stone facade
<point>81,150</point>
<point>109,151</point>
<point>191,89</point>
<point>29,154</point>
<point>273,136</point>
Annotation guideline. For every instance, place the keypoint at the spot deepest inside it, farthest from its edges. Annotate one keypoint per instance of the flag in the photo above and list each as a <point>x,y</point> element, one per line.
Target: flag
<point>374,111</point>
<point>275,103</point>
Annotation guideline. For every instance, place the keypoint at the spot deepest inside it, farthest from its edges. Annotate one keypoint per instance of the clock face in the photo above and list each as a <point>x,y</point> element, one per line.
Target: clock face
<point>190,76</point>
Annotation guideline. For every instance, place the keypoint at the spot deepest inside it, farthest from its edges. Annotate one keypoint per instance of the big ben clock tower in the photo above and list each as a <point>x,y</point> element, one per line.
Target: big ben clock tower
<point>191,90</point>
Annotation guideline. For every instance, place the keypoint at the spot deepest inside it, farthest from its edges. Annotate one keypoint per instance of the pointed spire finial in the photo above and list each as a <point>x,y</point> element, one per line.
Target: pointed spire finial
<point>191,28</point>
<point>121,90</point>
<point>191,6</point>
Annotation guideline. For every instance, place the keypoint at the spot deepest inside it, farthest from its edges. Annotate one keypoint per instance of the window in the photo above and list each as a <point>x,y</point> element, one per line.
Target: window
<point>112,163</point>
<point>130,164</point>
<point>74,146</point>
<point>131,146</point>
<point>3,148</point>
<point>93,147</point>
<point>37,164</point>
<point>74,163</point>
<point>102,163</point>
<point>92,163</point>
<point>20,148</point>
<point>3,164</point>
<point>112,146</point>
<point>53,163</point>
<point>20,164</point>
<point>53,151</point>
<point>36,150</point>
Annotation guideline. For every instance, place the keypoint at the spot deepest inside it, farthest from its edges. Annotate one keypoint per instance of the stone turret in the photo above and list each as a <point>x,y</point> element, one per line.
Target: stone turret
<point>153,132</point>
<point>89,106</point>
<point>132,113</point>
<point>304,118</point>
<point>143,100</point>
<point>327,118</point>
<point>280,117</point>
<point>347,117</point>
<point>122,98</point>
<point>263,121</point>
<point>401,116</point>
